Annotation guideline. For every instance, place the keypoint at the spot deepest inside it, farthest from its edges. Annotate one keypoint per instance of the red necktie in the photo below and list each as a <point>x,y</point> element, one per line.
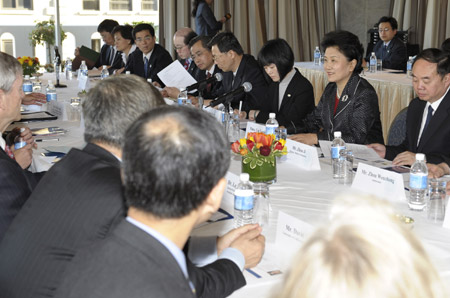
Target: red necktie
<point>208,87</point>
<point>186,64</point>
<point>9,152</point>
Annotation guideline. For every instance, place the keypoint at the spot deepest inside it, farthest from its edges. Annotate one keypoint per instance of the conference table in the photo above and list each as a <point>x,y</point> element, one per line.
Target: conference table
<point>394,89</point>
<point>301,194</point>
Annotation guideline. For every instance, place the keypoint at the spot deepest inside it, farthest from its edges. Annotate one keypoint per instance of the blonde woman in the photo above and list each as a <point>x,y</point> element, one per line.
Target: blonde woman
<point>364,252</point>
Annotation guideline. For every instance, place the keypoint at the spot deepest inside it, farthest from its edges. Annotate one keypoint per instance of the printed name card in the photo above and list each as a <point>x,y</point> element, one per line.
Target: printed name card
<point>228,196</point>
<point>83,82</point>
<point>216,113</point>
<point>58,108</point>
<point>379,182</point>
<point>254,127</point>
<point>302,155</point>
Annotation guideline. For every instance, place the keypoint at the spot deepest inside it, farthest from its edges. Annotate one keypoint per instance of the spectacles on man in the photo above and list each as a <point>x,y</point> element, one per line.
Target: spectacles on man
<point>139,40</point>
<point>198,54</point>
<point>383,29</point>
<point>178,48</point>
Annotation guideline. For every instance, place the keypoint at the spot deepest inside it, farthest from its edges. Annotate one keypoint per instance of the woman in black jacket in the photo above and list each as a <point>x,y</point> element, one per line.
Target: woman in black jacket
<point>291,95</point>
<point>349,103</point>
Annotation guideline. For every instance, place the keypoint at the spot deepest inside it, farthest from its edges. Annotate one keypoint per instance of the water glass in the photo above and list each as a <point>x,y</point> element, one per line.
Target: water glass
<point>262,204</point>
<point>345,167</point>
<point>436,202</point>
<point>281,133</point>
<point>379,65</point>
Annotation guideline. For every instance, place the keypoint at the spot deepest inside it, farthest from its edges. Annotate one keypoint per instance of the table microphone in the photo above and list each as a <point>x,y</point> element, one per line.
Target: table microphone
<point>246,87</point>
<point>217,77</point>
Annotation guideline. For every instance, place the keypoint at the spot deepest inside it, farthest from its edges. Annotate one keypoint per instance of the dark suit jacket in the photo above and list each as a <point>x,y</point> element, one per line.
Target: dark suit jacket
<point>205,21</point>
<point>159,59</point>
<point>298,101</point>
<point>193,70</point>
<point>103,59</point>
<point>396,56</point>
<point>248,71</point>
<point>435,140</point>
<point>16,186</point>
<point>130,263</point>
<point>215,86</point>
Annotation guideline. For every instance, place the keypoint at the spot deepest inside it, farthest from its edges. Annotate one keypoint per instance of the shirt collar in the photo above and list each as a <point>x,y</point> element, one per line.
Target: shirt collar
<point>387,43</point>
<point>435,105</point>
<point>211,70</point>
<point>2,143</point>
<point>147,55</point>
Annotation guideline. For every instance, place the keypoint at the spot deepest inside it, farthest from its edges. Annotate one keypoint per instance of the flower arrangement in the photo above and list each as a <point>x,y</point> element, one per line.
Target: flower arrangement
<point>30,65</point>
<point>259,148</point>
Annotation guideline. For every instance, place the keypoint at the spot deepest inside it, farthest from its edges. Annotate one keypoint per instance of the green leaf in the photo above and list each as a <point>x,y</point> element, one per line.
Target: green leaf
<point>253,163</point>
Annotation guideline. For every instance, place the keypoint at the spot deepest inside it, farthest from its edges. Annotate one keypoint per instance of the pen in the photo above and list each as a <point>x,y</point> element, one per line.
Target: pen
<point>47,140</point>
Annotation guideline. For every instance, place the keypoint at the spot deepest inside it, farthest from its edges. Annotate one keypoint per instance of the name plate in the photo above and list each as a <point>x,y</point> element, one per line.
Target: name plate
<point>302,155</point>
<point>228,196</point>
<point>58,108</point>
<point>83,82</point>
<point>254,127</point>
<point>379,182</point>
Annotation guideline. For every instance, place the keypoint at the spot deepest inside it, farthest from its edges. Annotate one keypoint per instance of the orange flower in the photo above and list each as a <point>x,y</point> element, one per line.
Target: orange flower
<point>265,140</point>
<point>235,147</point>
<point>243,151</point>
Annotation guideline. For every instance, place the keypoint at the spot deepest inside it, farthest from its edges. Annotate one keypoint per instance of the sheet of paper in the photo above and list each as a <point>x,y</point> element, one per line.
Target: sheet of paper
<point>361,152</point>
<point>267,267</point>
<point>228,196</point>
<point>379,182</point>
<point>302,155</point>
<point>174,75</point>
<point>254,127</point>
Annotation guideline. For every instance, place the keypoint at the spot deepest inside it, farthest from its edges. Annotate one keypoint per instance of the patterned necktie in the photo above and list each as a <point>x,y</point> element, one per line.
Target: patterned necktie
<point>186,64</point>
<point>9,152</point>
<point>208,87</point>
<point>146,67</point>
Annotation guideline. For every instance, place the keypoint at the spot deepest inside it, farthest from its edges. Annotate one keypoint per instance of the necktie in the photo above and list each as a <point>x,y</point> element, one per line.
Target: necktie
<point>427,121</point>
<point>146,67</point>
<point>384,51</point>
<point>186,64</point>
<point>208,87</point>
<point>112,55</point>
<point>9,152</point>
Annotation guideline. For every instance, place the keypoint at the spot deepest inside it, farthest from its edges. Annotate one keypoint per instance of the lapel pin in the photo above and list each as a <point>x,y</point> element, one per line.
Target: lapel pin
<point>344,98</point>
<point>289,95</point>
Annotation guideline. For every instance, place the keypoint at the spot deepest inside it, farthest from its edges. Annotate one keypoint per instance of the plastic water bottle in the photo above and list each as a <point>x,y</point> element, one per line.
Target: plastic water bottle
<point>105,72</point>
<point>337,145</point>
<point>83,69</point>
<point>19,142</point>
<point>182,97</point>
<point>409,67</point>
<point>129,72</point>
<point>27,86</point>
<point>418,183</point>
<point>68,69</point>
<point>233,128</point>
<point>51,92</point>
<point>373,63</point>
<point>317,56</point>
<point>243,202</point>
<point>271,124</point>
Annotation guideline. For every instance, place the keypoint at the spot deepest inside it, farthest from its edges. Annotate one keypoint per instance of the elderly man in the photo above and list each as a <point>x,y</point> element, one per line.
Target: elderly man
<point>16,184</point>
<point>80,200</point>
<point>428,118</point>
<point>143,254</point>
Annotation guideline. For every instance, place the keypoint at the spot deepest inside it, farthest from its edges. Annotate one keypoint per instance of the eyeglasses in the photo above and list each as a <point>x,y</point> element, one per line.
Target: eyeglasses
<point>199,54</point>
<point>139,40</point>
<point>178,48</point>
<point>385,30</point>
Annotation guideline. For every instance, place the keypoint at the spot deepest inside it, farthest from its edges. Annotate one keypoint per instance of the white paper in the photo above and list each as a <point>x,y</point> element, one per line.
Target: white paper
<point>175,75</point>
<point>379,182</point>
<point>446,223</point>
<point>361,152</point>
<point>302,155</point>
<point>254,127</point>
<point>58,109</point>
<point>228,196</point>
<point>214,112</point>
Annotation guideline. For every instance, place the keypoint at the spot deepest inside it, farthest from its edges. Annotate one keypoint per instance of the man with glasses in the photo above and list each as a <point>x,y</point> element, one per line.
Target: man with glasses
<point>390,49</point>
<point>150,58</point>
<point>181,40</point>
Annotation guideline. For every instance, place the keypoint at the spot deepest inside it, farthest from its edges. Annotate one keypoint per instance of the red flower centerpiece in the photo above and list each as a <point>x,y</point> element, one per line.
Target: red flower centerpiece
<point>30,65</point>
<point>259,152</point>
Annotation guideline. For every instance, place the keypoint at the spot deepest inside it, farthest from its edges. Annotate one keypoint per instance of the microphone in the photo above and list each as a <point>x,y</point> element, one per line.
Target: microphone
<point>246,87</point>
<point>227,16</point>
<point>57,63</point>
<point>217,77</point>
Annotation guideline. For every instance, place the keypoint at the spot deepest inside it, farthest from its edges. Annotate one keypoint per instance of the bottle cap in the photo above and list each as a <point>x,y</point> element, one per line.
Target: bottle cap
<point>317,48</point>
<point>272,115</point>
<point>83,62</point>
<point>105,66</point>
<point>244,177</point>
<point>337,134</point>
<point>420,156</point>
<point>373,53</point>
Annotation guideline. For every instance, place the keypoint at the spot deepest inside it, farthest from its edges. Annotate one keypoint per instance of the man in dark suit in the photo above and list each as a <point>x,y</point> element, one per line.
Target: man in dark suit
<point>150,58</point>
<point>144,253</point>
<point>16,184</point>
<point>390,49</point>
<point>238,68</point>
<point>428,117</point>
<point>80,200</point>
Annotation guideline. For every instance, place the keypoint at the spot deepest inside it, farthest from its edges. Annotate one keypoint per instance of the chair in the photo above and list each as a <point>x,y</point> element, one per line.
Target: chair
<point>397,131</point>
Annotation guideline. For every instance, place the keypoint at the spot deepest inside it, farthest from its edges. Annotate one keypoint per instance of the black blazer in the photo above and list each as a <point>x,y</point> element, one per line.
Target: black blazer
<point>159,60</point>
<point>298,101</point>
<point>104,55</point>
<point>16,186</point>
<point>396,56</point>
<point>248,71</point>
<point>215,86</point>
<point>435,140</point>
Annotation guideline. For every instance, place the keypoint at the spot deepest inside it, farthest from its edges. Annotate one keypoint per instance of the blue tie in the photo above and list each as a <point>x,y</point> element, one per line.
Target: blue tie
<point>427,121</point>
<point>145,67</point>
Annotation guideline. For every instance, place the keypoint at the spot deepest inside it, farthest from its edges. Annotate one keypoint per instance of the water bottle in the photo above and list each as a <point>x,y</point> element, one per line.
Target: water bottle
<point>373,63</point>
<point>418,183</point>
<point>233,128</point>
<point>243,202</point>
<point>105,72</point>
<point>83,69</point>
<point>317,56</point>
<point>129,72</point>
<point>182,97</point>
<point>337,145</point>
<point>27,86</point>
<point>271,124</point>
<point>19,142</point>
<point>409,67</point>
<point>51,92</point>
<point>68,69</point>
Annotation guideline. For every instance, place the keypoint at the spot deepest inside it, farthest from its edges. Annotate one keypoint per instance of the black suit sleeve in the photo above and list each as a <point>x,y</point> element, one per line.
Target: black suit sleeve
<point>163,59</point>
<point>210,19</point>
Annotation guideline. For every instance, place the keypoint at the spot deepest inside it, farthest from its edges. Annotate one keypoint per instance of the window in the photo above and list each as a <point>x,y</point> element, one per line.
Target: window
<point>7,43</point>
<point>17,4</point>
<point>96,41</point>
<point>149,5</point>
<point>91,4</point>
<point>120,5</point>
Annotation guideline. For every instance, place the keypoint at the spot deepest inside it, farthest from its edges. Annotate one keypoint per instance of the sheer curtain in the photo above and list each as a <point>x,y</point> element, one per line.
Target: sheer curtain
<point>301,22</point>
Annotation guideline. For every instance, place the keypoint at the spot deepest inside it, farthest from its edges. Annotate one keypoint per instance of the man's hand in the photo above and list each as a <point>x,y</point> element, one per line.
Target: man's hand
<point>226,240</point>
<point>404,159</point>
<point>171,92</point>
<point>436,171</point>
<point>23,155</point>
<point>380,149</point>
<point>305,138</point>
<point>251,244</point>
<point>34,98</point>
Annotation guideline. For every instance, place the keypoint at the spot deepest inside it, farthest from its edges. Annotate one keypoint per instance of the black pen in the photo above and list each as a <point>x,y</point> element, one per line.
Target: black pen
<point>47,140</point>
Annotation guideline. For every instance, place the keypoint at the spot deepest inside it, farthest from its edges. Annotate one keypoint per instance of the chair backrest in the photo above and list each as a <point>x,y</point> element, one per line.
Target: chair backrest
<point>397,131</point>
